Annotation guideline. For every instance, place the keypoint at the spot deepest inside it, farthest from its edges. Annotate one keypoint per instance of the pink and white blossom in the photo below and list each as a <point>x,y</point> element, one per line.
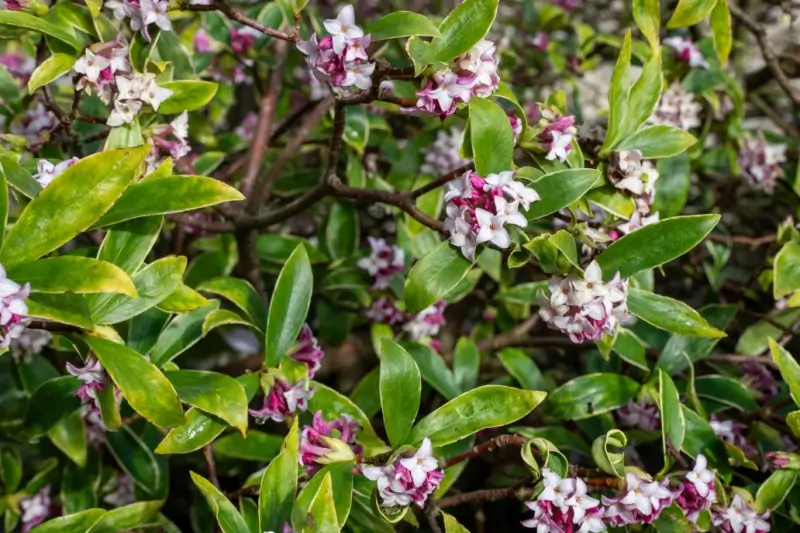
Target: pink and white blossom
<point>384,311</point>
<point>699,492</point>
<point>443,155</point>
<point>47,171</point>
<point>564,505</point>
<point>384,262</point>
<point>93,379</point>
<point>13,309</point>
<point>35,509</point>
<point>410,479</point>
<point>641,501</point>
<point>687,52</point>
<point>677,108</point>
<point>740,517</point>
<point>426,323</point>
<point>641,415</point>
<point>308,351</point>
<point>760,162</point>
<point>326,442</point>
<point>283,400</point>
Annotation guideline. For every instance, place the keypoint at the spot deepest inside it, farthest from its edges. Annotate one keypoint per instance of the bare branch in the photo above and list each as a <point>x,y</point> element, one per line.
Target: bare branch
<point>234,14</point>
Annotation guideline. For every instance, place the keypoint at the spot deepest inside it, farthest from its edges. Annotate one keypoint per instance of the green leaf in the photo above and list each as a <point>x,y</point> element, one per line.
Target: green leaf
<point>135,458</point>
<point>727,391</point>
<point>489,406</point>
<point>187,95</point>
<point>68,309</point>
<point>755,339</point>
<point>402,24</point>
<point>786,270</point>
<point>256,446</point>
<point>22,19</point>
<point>690,12</point>
<point>78,485</point>
<point>127,244</point>
<point>366,395</point>
<point>289,305</point>
<point>611,200</point>
<point>333,404</point>
<point>10,468</point>
<point>672,359</point>
<point>610,462</point>
<point>50,403</point>
<point>451,525</point>
<point>721,31</point>
<point>673,520</point>
<point>672,186</point>
<point>182,333</point>
<point>491,137</point>
<point>433,276</point>
<point>788,367</point>
<point>214,393</point>
<point>618,96</point>
<point>647,14</point>
<point>168,194</point>
<point>673,424</point>
<point>145,388</point>
<point>69,436</point>
<point>124,136</point>
<point>466,364</point>
<point>277,249</point>
<point>774,490</point>
<point>222,317</point>
<point>74,523</point>
<point>49,70</point>
<point>400,389</point>
<point>522,368</point>
<point>433,369</point>
<point>241,294</point>
<point>228,518</point>
<point>463,28</point>
<point>74,274</point>
<point>658,141</point>
<point>153,283</point>
<point>630,348</point>
<point>645,94</point>
<point>182,300</point>
<point>356,129</point>
<point>670,315</point>
<point>323,510</point>
<point>341,230</point>
<point>71,203</point>
<point>279,484</point>
<point>589,395</point>
<point>560,189</point>
<point>127,517</point>
<point>655,244</point>
<point>18,178</point>
<point>341,477</point>
<point>701,439</point>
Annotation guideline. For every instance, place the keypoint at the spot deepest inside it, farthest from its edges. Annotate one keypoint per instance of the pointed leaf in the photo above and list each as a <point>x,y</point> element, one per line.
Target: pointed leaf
<point>433,276</point>
<point>289,305</point>
<point>228,518</point>
<point>216,394</point>
<point>400,389</point>
<point>670,315</point>
<point>73,274</point>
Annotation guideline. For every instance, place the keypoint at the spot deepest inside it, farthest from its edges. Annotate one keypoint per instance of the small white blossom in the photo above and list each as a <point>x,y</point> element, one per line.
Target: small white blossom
<point>342,28</point>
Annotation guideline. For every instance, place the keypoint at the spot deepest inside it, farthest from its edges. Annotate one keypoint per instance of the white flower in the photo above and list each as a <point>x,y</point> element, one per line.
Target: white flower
<point>491,229</point>
<point>509,211</point>
<point>180,126</point>
<point>90,65</point>
<point>117,8</point>
<point>391,492</point>
<point>342,28</point>
<point>358,74</point>
<point>123,112</point>
<point>637,221</point>
<point>152,93</point>
<point>448,89</point>
<point>129,88</point>
<point>297,397</point>
<point>154,12</point>
<point>310,49</point>
<point>522,194</point>
<point>580,501</point>
<point>48,171</point>
<point>556,490</point>
<point>421,463</point>
<point>119,59</point>
<point>559,146</point>
<point>701,477</point>
<point>687,51</point>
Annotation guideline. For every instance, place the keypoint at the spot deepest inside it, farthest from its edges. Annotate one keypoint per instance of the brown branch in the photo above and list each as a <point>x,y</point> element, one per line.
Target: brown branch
<point>770,57</point>
<point>774,115</point>
<point>511,337</point>
<point>487,447</point>
<point>54,327</point>
<point>207,225</point>
<point>486,495</point>
<point>234,14</point>
<point>441,180</point>
<point>244,491</point>
<point>210,465</point>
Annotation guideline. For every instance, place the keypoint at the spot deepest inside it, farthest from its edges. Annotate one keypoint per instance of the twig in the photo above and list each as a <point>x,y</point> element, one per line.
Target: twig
<point>509,338</point>
<point>753,242</point>
<point>441,180</point>
<point>487,447</point>
<point>774,115</point>
<point>244,491</point>
<point>207,225</point>
<point>210,465</point>
<point>234,14</point>
<point>486,495</point>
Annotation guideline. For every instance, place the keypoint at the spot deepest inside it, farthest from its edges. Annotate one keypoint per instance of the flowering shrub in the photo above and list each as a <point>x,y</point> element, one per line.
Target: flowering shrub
<point>470,266</point>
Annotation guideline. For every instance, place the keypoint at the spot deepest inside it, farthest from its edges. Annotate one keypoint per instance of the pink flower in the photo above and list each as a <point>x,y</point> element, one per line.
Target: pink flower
<point>427,322</point>
<point>516,127</point>
<point>384,311</point>
<point>687,51</point>
<point>760,162</point>
<point>202,41</point>
<point>740,517</point>
<point>93,377</point>
<point>307,350</point>
<point>409,479</point>
<point>13,309</point>
<point>383,263</point>
<point>283,400</point>
<point>322,442</point>
<point>699,492</point>
<point>640,503</point>
<point>243,39</point>
<point>35,509</point>
<point>640,415</point>
<point>562,505</point>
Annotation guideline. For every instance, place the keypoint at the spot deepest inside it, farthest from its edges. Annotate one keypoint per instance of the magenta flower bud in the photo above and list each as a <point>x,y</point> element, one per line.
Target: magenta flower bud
<point>283,400</point>
<point>308,351</point>
<point>326,442</point>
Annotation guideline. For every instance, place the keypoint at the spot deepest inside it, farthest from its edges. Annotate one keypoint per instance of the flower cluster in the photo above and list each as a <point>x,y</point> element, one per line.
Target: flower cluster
<point>34,123</point>
<point>687,52</point>
<point>13,309</point>
<point>283,400</point>
<point>587,308</point>
<point>384,311</point>
<point>170,140</point>
<point>564,504</point>
<point>35,509</point>
<point>677,108</point>
<point>478,208</point>
<point>426,323</point>
<point>29,343</point>
<point>243,39</point>
<point>443,155</point>
<point>383,263</point>
<point>698,492</point>
<point>630,173</point>
<point>93,377</point>
<point>759,162</point>
<point>557,133</point>
<point>341,57</point>
<point>142,13</point>
<point>327,442</point>
<point>640,502</point>
<point>641,415</point>
<point>308,351</point>
<point>48,171</point>
<point>408,479</point>
<point>109,75</point>
<point>473,74</point>
<point>731,432</point>
<point>20,66</point>
<point>740,517</point>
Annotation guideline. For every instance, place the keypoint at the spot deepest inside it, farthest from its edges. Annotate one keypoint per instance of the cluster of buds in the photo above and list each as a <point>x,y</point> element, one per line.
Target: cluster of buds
<point>47,171</point>
<point>698,492</point>
<point>562,505</point>
<point>443,155</point>
<point>93,379</point>
<point>733,433</point>
<point>170,140</point>
<point>740,517</point>
<point>478,209</point>
<point>35,509</point>
<point>142,13</point>
<point>308,351</point>
<point>283,400</point>
<point>29,343</point>
<point>556,132</point>
<point>687,52</point>
<point>341,57</point>
<point>641,415</point>
<point>516,127</point>
<point>641,501</point>
<point>34,123</point>
<point>324,442</point>
<point>383,263</point>
<point>473,74</point>
<point>243,39</point>
<point>628,172</point>
<point>410,478</point>
<point>107,73</point>
<point>13,309</point>
<point>677,108</point>
<point>419,326</point>
<point>759,162</point>
<point>587,308</point>
<point>759,378</point>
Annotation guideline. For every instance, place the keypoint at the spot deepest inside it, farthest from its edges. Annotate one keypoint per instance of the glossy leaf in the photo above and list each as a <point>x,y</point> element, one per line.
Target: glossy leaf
<point>491,136</point>
<point>727,391</point>
<point>341,230</point>
<point>690,12</point>
<point>49,70</point>
<point>73,523</point>
<point>187,95</point>
<point>289,305</point>
<point>69,436</point>
<point>341,476</point>
<point>486,407</point>
<point>670,315</point>
<point>673,424</point>
<point>22,19</point>
<point>126,517</point>
<point>589,395</point>
<point>463,28</point>
<point>73,274</point>
<point>433,369</point>
<point>128,244</point>
<point>658,141</point>
<point>451,525</point>
<point>182,300</point>
<point>279,484</point>
<point>50,403</point>
<point>522,368</point>
<point>560,189</point>
<point>168,194</point>
<point>788,367</point>
<point>144,387</point>
<point>466,364</point>
<point>611,462</point>
<point>786,270</point>
<point>228,518</point>
<point>433,276</point>
<point>672,357</point>
<point>655,244</point>
<point>618,95</point>
<point>180,334</point>
<point>400,389</point>
<point>644,97</point>
<point>256,446</point>
<point>222,317</point>
<point>672,186</point>
<point>647,14</point>
<point>333,404</point>
<point>214,393</point>
<point>402,24</point>
<point>17,178</point>
<point>701,439</point>
<point>323,510</point>
<point>135,458</point>
<point>64,208</point>
<point>774,490</point>
<point>241,294</point>
<point>721,31</point>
